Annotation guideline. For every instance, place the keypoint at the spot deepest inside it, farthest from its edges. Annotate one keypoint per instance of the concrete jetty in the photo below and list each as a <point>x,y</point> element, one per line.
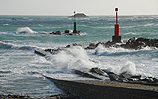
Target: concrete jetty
<point>106,90</point>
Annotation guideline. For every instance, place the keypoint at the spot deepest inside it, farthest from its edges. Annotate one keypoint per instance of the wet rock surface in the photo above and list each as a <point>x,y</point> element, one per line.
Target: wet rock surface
<point>139,43</point>
<point>11,96</point>
<point>132,43</point>
<point>56,33</point>
<point>60,96</point>
<point>123,77</point>
<point>67,32</point>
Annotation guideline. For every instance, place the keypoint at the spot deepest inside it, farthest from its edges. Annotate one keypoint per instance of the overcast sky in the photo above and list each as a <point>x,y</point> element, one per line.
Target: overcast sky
<point>67,7</point>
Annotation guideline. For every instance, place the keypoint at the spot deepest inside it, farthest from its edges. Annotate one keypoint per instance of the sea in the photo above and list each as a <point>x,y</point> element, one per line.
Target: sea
<point>22,70</point>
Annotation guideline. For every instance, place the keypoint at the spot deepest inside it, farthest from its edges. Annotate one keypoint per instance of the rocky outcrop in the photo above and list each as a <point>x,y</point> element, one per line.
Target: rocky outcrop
<point>98,71</point>
<point>56,33</point>
<point>9,96</point>
<point>91,46</point>
<point>60,96</point>
<point>53,51</point>
<point>67,32</point>
<point>123,77</point>
<point>139,43</point>
<point>132,43</point>
<point>40,53</point>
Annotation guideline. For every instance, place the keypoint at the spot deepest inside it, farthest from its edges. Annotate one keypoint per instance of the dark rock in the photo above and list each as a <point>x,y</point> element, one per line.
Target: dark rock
<point>56,33</point>
<point>154,42</point>
<point>53,51</point>
<point>138,77</point>
<point>108,44</point>
<point>75,32</point>
<point>134,78</point>
<point>52,33</point>
<point>99,44</point>
<point>146,40</point>
<point>122,80</point>
<point>75,44</point>
<point>125,75</point>
<point>130,43</point>
<point>13,19</point>
<point>39,53</point>
<point>85,73</point>
<point>155,80</point>
<point>68,46</point>
<point>98,71</point>
<point>12,96</point>
<point>48,50</point>
<point>2,76</point>
<point>67,31</point>
<point>91,46</point>
<point>139,43</point>
<point>60,96</point>
<point>70,34</point>
<point>113,76</point>
<point>148,79</point>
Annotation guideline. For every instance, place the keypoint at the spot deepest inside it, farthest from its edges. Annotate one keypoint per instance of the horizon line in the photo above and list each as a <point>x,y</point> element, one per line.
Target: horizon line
<point>70,15</point>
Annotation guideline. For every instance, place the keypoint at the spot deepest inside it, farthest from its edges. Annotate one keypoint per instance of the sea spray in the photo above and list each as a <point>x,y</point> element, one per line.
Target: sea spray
<point>25,30</point>
<point>112,51</point>
<point>72,58</point>
<point>129,67</point>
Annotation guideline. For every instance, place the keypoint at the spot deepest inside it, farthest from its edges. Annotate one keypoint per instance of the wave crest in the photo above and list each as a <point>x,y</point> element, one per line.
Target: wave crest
<point>4,45</point>
<point>25,30</point>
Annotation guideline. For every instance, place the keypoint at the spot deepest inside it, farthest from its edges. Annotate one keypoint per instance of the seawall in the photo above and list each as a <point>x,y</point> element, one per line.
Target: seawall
<point>107,90</point>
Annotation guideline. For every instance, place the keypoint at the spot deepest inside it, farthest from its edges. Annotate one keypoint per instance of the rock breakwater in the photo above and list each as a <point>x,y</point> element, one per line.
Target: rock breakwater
<point>132,43</point>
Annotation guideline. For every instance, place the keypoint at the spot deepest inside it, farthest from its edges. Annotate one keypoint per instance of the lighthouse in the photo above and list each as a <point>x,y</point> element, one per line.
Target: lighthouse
<point>116,38</point>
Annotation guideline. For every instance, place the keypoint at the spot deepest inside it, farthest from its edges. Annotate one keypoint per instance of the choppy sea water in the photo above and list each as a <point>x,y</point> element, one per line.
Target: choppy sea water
<point>21,69</point>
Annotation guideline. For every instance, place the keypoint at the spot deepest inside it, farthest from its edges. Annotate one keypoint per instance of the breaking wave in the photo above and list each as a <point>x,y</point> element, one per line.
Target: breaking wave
<point>112,51</point>
<point>73,58</point>
<point>25,30</point>
<point>4,45</point>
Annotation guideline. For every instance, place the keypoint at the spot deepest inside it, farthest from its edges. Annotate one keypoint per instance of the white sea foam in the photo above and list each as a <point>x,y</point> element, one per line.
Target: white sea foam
<point>102,51</point>
<point>73,58</point>
<point>77,58</point>
<point>25,30</point>
<point>5,24</point>
<point>128,67</point>
<point>13,45</point>
<point>130,33</point>
<point>149,24</point>
<point>109,27</point>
